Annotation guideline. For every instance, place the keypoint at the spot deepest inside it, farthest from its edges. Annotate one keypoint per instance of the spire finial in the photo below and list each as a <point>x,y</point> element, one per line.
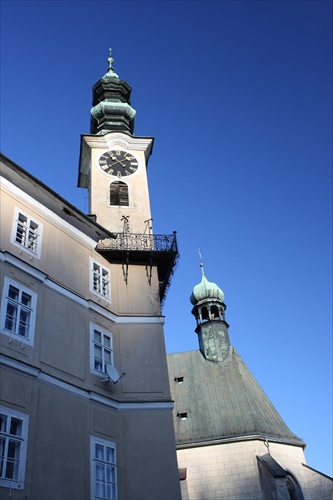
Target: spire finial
<point>201,263</point>
<point>111,71</point>
<point>110,60</point>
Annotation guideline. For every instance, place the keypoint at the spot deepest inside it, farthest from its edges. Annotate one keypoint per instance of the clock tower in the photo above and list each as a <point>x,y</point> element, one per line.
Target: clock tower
<point>113,162</point>
<point>136,266</point>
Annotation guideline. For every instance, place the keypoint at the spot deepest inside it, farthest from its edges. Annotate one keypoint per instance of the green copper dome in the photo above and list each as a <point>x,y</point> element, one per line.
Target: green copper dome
<point>112,110</point>
<point>206,290</point>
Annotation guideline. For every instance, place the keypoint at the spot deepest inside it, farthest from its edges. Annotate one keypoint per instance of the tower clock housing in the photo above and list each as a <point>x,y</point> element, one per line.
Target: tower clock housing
<point>113,162</point>
<point>114,169</point>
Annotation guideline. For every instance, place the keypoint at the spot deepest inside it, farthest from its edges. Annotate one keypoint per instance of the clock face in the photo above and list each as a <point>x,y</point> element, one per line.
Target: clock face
<point>118,163</point>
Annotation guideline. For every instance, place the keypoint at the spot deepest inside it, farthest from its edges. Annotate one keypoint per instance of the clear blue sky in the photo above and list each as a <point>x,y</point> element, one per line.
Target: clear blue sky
<point>238,97</point>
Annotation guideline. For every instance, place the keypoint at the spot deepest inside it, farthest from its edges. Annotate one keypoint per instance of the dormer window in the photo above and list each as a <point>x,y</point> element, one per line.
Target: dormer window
<point>179,380</point>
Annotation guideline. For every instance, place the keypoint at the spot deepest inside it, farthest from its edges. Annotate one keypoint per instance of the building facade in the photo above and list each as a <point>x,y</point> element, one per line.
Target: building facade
<point>86,411</point>
<point>231,442</point>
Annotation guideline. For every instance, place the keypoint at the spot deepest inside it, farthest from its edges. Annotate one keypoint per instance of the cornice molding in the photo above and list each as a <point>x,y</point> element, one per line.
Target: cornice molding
<point>86,303</point>
<point>37,374</point>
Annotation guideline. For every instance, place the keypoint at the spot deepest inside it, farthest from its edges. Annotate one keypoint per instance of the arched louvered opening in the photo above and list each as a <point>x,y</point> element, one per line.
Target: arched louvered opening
<point>204,314</point>
<point>119,194</point>
<point>215,313</point>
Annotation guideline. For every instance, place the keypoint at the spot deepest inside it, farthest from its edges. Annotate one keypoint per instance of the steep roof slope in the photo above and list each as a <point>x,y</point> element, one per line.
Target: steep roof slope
<point>222,400</point>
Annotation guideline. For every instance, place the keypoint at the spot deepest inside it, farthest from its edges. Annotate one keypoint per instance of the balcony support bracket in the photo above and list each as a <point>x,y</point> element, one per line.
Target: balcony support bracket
<point>125,268</point>
<point>149,269</point>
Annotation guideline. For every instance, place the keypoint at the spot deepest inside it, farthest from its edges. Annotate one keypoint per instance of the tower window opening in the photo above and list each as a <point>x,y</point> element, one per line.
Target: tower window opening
<point>215,313</point>
<point>119,194</point>
<point>204,313</point>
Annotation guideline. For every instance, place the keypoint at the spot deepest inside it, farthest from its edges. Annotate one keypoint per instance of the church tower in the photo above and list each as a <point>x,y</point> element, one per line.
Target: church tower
<point>231,441</point>
<point>139,265</point>
<point>209,310</point>
<point>113,162</point>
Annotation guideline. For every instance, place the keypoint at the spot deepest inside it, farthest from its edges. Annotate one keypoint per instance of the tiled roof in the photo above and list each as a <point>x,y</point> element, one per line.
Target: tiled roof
<point>218,401</point>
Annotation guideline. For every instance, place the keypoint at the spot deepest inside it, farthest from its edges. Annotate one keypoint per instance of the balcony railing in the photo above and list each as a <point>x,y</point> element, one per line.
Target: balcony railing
<point>158,250</point>
<point>140,242</point>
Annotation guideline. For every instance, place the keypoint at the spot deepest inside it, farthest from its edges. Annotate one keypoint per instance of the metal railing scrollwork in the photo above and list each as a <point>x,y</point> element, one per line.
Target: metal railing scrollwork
<point>140,242</point>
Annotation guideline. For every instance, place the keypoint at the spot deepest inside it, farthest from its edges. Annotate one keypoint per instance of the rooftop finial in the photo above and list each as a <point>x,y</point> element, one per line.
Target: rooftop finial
<point>110,60</point>
<point>111,71</point>
<point>201,263</point>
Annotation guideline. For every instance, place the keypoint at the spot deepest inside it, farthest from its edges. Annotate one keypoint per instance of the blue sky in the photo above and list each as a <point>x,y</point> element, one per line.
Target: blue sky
<point>238,97</point>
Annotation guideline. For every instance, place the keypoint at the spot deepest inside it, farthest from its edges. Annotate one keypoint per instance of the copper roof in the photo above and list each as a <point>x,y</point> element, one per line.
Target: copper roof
<point>221,401</point>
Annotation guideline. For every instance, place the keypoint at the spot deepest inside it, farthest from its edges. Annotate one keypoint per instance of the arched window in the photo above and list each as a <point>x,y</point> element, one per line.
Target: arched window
<point>293,487</point>
<point>214,312</point>
<point>204,313</point>
<point>119,194</point>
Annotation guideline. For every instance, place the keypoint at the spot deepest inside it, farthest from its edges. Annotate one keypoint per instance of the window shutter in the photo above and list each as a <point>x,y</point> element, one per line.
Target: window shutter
<point>119,194</point>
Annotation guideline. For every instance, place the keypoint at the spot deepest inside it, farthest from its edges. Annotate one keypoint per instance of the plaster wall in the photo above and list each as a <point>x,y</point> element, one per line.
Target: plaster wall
<point>58,464</point>
<point>53,380</point>
<point>314,485</point>
<point>230,471</point>
<point>66,255</point>
<point>139,206</point>
<point>63,347</point>
<point>318,485</point>
<point>227,471</point>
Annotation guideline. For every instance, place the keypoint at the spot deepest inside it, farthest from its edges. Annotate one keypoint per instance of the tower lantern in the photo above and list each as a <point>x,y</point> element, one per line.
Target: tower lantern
<point>209,308</point>
<point>111,104</point>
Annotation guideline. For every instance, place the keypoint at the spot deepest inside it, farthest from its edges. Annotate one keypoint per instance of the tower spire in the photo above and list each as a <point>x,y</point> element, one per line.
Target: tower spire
<point>111,71</point>
<point>201,263</point>
<point>111,111</point>
<point>209,308</point>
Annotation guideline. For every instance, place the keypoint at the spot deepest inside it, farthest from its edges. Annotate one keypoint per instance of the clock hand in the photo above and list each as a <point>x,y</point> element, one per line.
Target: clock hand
<point>111,164</point>
<point>120,163</point>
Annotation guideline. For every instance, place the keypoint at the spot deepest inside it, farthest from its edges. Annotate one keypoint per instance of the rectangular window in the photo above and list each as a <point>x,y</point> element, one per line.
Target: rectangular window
<point>103,469</point>
<point>101,349</point>
<point>27,233</point>
<point>100,280</point>
<point>18,311</point>
<point>13,447</point>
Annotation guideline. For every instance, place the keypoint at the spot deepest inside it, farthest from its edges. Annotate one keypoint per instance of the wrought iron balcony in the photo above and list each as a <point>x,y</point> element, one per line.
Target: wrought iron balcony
<point>140,242</point>
<point>160,250</point>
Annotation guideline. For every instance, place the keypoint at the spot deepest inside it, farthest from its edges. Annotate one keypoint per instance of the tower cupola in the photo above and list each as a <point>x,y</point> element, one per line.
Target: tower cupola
<point>112,109</point>
<point>205,290</point>
<point>207,299</point>
<point>209,308</point>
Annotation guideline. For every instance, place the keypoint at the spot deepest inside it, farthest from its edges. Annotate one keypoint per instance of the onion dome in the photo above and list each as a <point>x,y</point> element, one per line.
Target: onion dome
<point>206,290</point>
<point>112,110</point>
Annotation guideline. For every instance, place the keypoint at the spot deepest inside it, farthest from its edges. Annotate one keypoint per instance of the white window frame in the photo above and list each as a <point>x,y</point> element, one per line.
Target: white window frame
<point>100,280</point>
<point>101,349</point>
<point>21,441</point>
<point>103,466</point>
<point>31,237</point>
<point>24,313</point>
